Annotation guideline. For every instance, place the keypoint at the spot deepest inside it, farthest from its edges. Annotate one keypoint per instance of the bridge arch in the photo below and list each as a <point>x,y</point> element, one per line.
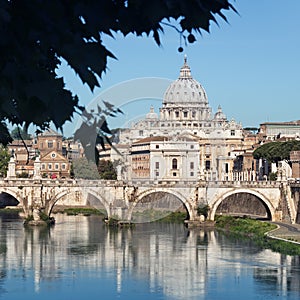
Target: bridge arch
<point>12,193</point>
<point>173,192</point>
<point>267,204</point>
<point>51,203</point>
<point>102,201</point>
<point>18,195</point>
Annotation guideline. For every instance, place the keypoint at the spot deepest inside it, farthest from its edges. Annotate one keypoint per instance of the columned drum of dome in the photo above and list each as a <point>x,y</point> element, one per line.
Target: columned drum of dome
<point>185,98</point>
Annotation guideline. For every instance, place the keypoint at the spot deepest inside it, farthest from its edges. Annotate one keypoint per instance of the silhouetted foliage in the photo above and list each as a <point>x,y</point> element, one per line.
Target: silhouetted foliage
<point>37,35</point>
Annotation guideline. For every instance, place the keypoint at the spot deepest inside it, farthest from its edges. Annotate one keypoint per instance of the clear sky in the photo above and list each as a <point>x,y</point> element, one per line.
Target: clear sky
<point>250,66</point>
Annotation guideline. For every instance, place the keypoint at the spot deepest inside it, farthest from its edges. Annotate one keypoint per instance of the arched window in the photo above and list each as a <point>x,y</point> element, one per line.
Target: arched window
<point>174,163</point>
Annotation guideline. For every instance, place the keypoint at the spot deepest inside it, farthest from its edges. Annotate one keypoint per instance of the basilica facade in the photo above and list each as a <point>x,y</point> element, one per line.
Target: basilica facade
<point>186,140</point>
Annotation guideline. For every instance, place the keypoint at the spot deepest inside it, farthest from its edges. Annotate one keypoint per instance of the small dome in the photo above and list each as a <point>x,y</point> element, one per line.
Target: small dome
<point>152,114</point>
<point>185,89</point>
<point>219,115</point>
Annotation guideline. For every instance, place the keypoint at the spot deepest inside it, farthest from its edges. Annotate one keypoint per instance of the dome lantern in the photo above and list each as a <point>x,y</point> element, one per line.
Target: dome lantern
<point>185,71</point>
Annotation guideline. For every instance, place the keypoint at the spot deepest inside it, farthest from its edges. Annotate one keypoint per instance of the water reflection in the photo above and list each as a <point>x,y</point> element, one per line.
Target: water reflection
<point>161,260</point>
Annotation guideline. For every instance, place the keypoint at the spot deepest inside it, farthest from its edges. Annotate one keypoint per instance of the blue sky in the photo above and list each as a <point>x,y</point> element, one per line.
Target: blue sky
<point>250,66</point>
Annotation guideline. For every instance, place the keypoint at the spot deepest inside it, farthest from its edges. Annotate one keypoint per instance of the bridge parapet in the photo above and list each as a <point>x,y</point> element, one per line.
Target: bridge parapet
<point>30,182</point>
<point>263,184</point>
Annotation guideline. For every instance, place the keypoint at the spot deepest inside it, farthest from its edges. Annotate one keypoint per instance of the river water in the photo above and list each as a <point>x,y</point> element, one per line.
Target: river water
<point>80,258</point>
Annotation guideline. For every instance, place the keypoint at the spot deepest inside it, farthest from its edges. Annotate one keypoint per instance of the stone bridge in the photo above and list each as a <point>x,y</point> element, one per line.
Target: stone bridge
<point>120,199</point>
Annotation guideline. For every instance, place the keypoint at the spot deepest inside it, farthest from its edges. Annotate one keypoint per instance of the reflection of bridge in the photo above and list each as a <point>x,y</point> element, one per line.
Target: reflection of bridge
<point>120,198</point>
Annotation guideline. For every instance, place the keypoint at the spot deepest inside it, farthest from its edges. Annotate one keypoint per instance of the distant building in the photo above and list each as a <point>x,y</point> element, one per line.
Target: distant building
<point>72,149</point>
<point>157,158</point>
<point>295,160</point>
<point>48,147</point>
<point>54,162</point>
<point>275,130</point>
<point>54,165</point>
<point>49,140</point>
<point>185,119</point>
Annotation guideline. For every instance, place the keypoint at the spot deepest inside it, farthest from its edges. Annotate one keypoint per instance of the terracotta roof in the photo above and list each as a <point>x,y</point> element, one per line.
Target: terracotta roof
<point>50,132</point>
<point>20,142</point>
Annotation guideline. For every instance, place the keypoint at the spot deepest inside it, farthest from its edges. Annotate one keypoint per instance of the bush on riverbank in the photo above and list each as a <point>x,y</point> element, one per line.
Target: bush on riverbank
<point>152,215</point>
<point>82,211</point>
<point>8,211</point>
<point>244,226</point>
<point>174,217</point>
<point>256,231</point>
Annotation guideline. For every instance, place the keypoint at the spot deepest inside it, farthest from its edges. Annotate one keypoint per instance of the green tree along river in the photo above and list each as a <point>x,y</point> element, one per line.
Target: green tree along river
<point>80,257</point>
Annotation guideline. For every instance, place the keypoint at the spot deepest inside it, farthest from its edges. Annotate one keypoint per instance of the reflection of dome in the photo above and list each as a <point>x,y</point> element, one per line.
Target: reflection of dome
<point>185,89</point>
<point>219,115</point>
<point>152,115</point>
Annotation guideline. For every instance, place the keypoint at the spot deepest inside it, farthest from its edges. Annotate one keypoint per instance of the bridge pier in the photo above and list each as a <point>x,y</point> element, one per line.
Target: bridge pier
<point>119,213</point>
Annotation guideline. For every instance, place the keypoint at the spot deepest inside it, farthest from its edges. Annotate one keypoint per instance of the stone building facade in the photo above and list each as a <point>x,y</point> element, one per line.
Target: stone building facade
<point>167,158</point>
<point>185,119</point>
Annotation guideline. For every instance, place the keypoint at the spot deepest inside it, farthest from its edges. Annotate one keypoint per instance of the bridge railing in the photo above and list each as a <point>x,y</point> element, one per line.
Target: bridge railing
<point>18,182</point>
<point>245,183</point>
<point>31,181</point>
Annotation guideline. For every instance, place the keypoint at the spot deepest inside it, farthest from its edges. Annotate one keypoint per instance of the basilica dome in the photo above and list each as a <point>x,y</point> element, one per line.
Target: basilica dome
<point>185,90</point>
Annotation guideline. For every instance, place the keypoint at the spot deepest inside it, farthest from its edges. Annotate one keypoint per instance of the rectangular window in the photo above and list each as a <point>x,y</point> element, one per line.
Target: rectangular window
<point>63,166</point>
<point>174,174</point>
<point>174,163</point>
<point>207,165</point>
<point>49,166</point>
<point>232,132</point>
<point>192,165</point>
<point>226,168</point>
<point>157,165</point>
<point>50,144</point>
<point>43,167</point>
<point>156,174</point>
<point>192,173</point>
<point>157,146</point>
<point>185,114</point>
<point>177,114</point>
<point>56,166</point>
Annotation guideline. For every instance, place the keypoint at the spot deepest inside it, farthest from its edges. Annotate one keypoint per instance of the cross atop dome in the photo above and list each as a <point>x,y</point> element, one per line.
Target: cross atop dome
<point>185,71</point>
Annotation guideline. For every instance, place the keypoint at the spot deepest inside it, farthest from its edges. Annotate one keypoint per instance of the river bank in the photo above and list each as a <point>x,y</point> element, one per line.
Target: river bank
<point>289,232</point>
<point>263,234</point>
